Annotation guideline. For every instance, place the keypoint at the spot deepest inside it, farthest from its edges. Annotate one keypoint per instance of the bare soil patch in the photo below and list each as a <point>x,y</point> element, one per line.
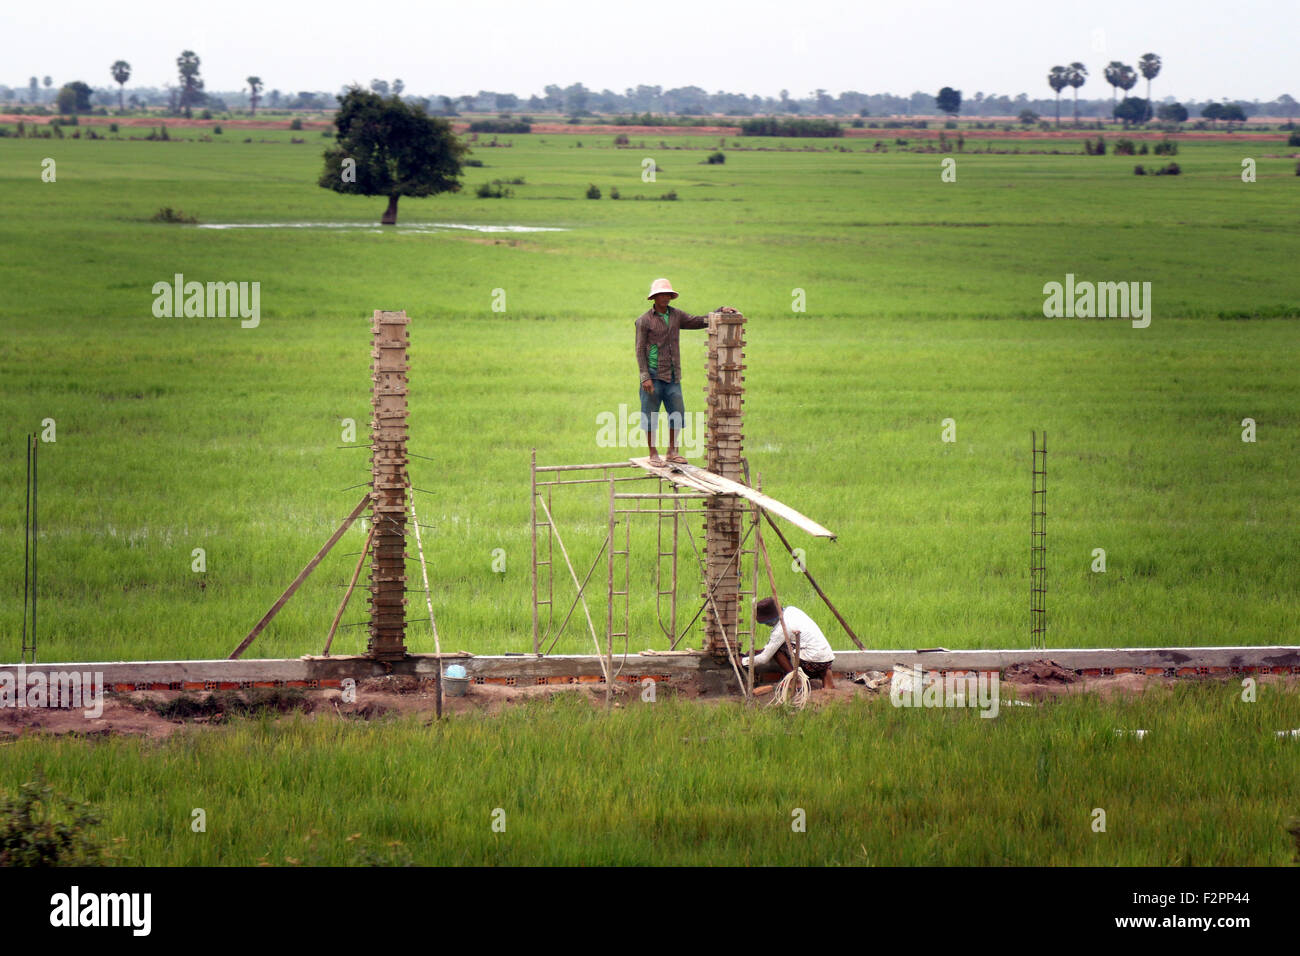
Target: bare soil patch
<point>159,714</point>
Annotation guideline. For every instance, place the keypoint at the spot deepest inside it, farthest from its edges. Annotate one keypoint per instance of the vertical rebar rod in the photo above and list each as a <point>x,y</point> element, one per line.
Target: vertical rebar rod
<point>36,536</point>
<point>609,630</point>
<point>532,526</point>
<point>1038,542</point>
<point>27,553</point>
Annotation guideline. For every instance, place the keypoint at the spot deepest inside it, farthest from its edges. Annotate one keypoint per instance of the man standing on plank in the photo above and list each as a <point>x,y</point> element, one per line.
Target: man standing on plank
<point>815,654</point>
<point>658,359</point>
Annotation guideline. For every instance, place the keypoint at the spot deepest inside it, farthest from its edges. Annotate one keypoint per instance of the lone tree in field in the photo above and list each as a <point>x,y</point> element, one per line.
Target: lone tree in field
<point>1133,110</point>
<point>254,92</point>
<point>1077,76</point>
<point>121,71</point>
<point>74,97</point>
<point>1172,113</point>
<point>385,147</point>
<point>187,64</point>
<point>1058,80</point>
<point>948,101</point>
<point>1150,67</point>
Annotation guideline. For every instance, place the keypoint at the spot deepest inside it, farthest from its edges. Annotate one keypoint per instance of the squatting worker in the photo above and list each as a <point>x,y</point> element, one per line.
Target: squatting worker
<point>658,359</point>
<point>815,654</point>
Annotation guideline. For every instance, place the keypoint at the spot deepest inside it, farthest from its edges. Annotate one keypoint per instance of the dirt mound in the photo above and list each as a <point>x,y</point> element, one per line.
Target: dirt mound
<point>1040,672</point>
<point>396,684</point>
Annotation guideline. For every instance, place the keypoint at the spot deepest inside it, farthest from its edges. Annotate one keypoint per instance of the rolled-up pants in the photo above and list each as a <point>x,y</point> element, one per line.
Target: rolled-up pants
<point>668,395</point>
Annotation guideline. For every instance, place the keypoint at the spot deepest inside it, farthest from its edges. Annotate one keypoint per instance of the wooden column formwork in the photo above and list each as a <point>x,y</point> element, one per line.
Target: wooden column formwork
<point>724,514</point>
<point>388,434</point>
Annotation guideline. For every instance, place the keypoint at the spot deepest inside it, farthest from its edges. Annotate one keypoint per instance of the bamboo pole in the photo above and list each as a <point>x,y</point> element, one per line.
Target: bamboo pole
<point>780,609</point>
<point>573,605</point>
<point>428,598</point>
<point>813,581</point>
<point>347,595</point>
<point>734,555</point>
<point>564,553</point>
<point>708,598</point>
<point>610,464</point>
<point>302,576</point>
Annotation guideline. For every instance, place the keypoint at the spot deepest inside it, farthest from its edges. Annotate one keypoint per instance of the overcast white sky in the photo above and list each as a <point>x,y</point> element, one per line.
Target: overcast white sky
<point>1237,50</point>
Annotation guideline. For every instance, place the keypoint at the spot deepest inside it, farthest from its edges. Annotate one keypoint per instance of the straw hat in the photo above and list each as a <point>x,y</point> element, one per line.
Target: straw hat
<point>661,285</point>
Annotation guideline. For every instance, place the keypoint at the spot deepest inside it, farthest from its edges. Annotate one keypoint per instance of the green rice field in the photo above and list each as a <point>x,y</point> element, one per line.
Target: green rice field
<point>922,319</point>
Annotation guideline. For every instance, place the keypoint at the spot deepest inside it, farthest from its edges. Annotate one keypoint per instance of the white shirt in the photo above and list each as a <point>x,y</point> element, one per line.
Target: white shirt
<point>813,646</point>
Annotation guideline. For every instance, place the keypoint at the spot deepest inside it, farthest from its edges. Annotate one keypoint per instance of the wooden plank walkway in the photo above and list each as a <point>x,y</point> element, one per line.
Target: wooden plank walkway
<point>697,479</point>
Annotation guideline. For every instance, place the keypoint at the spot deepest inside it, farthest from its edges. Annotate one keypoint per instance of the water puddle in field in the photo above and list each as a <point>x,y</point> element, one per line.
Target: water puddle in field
<point>412,227</point>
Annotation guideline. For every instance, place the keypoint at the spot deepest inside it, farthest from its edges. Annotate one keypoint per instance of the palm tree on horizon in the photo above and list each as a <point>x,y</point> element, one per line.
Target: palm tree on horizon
<point>121,71</point>
<point>1058,80</point>
<point>1150,67</point>
<point>1077,76</point>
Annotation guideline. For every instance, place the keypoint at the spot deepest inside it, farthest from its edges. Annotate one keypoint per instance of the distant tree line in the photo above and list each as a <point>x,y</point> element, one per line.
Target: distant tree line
<point>577,100</point>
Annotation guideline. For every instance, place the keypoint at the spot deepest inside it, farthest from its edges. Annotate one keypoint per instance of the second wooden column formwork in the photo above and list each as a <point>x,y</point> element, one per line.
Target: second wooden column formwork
<point>724,514</point>
<point>388,433</point>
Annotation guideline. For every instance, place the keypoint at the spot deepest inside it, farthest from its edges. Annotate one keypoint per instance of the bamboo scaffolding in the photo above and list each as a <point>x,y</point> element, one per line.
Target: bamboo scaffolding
<point>568,564</point>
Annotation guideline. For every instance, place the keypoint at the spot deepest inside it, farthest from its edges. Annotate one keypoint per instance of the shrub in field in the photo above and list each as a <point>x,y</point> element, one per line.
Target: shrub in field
<point>473,162</point>
<point>493,191</point>
<point>1173,169</point>
<point>621,139</point>
<point>1293,139</point>
<point>500,126</point>
<point>772,126</point>
<point>33,831</point>
<point>670,196</point>
<point>1138,170</point>
<point>716,158</point>
<point>112,127</point>
<point>1166,147</point>
<point>1097,148</point>
<point>613,192</point>
<point>1143,150</point>
<point>216,130</point>
<point>168,214</point>
<point>296,123</point>
<point>593,191</point>
<point>1125,147</point>
<point>1297,169</point>
<point>206,114</point>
